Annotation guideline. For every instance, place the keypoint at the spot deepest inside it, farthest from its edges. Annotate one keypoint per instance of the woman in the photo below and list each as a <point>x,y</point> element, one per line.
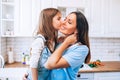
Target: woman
<point>65,64</point>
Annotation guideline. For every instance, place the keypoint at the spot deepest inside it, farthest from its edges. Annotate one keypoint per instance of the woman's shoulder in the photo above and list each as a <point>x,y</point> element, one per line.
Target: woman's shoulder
<point>79,46</point>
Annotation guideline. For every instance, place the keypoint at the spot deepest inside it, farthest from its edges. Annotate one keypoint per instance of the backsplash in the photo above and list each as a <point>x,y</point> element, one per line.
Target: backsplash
<point>105,49</point>
<point>19,45</point>
<point>3,48</point>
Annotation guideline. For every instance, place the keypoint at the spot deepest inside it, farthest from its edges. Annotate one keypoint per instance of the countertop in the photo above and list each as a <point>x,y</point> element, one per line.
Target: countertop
<point>109,66</point>
<point>16,65</point>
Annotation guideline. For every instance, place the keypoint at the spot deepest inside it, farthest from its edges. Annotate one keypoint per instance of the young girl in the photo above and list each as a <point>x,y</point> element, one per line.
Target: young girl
<point>49,23</point>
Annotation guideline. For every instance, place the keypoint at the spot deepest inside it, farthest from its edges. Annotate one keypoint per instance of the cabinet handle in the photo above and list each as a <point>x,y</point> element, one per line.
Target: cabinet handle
<point>78,75</point>
<point>84,78</point>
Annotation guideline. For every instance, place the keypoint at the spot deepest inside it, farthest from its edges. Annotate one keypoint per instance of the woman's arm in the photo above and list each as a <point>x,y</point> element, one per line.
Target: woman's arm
<point>56,60</point>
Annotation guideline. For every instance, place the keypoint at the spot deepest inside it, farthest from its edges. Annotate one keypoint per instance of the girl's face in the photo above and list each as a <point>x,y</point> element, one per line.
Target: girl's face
<point>57,21</point>
<point>69,25</point>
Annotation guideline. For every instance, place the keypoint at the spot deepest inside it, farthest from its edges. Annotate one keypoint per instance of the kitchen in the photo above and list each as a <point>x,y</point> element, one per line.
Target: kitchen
<point>18,19</point>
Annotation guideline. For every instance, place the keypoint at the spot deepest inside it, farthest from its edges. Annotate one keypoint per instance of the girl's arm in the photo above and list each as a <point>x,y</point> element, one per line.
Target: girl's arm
<point>56,60</point>
<point>34,73</point>
<point>36,50</point>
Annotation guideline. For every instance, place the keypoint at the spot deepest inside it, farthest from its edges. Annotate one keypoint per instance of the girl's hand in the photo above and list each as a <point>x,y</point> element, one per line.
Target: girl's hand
<point>25,76</point>
<point>71,39</point>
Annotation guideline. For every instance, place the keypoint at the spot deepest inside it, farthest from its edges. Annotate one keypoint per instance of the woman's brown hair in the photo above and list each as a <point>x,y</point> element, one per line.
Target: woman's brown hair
<point>45,26</point>
<point>82,28</point>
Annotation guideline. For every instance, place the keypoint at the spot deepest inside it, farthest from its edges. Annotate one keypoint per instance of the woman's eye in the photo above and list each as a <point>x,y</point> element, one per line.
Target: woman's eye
<point>58,19</point>
<point>69,22</point>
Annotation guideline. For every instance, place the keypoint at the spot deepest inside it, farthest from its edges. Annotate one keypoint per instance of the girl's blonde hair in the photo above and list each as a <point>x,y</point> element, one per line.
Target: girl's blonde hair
<point>45,26</point>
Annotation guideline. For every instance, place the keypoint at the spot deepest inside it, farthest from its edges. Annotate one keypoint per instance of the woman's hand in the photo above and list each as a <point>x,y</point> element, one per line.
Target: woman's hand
<point>71,39</point>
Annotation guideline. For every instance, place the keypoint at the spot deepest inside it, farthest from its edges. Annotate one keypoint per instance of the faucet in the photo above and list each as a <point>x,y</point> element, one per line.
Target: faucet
<point>1,62</point>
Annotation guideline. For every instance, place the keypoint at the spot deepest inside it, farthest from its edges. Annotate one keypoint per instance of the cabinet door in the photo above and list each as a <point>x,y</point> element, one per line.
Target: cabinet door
<point>25,18</point>
<point>96,23</point>
<point>46,4</point>
<point>107,76</point>
<point>105,17</point>
<point>29,15</point>
<point>9,17</point>
<point>85,76</point>
<point>113,29</point>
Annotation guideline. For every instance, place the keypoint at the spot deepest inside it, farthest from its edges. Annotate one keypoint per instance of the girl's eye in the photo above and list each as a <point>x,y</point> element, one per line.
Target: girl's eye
<point>59,18</point>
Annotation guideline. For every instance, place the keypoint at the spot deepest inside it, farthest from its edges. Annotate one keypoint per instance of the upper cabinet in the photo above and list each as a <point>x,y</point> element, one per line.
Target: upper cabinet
<point>113,27</point>
<point>103,15</point>
<point>20,17</point>
<point>104,18</point>
<point>25,18</point>
<point>9,21</point>
<point>16,18</point>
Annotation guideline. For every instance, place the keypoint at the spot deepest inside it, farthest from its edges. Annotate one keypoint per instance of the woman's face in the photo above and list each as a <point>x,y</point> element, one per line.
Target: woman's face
<point>69,25</point>
<point>57,21</point>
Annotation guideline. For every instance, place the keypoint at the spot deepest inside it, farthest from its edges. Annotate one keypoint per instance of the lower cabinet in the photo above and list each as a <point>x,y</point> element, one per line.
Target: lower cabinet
<point>85,76</point>
<point>99,76</point>
<point>107,76</point>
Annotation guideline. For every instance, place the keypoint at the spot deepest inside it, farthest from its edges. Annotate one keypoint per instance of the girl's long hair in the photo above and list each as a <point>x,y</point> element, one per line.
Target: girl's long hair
<point>45,26</point>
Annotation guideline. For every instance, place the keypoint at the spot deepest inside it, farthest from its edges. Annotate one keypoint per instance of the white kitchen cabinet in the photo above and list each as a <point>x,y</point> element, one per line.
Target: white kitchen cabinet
<point>99,76</point>
<point>37,6</point>
<point>12,73</point>
<point>25,17</point>
<point>96,18</point>
<point>17,17</point>
<point>46,3</point>
<point>107,76</point>
<point>105,17</point>
<point>29,15</point>
<point>85,76</point>
<point>0,45</point>
<point>9,17</point>
<point>113,28</point>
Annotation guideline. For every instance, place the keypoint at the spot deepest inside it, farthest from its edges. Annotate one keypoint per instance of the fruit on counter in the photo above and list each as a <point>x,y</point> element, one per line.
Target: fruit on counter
<point>95,63</point>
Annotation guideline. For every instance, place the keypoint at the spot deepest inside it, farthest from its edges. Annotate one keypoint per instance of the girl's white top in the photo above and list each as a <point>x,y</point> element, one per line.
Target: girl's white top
<point>37,47</point>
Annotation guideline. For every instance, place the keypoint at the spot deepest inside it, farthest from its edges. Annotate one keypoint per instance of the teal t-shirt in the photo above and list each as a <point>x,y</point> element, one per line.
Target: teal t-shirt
<point>75,56</point>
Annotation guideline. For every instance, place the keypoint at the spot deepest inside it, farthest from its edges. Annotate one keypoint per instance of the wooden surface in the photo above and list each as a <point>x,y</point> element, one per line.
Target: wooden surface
<point>109,66</point>
<point>16,65</point>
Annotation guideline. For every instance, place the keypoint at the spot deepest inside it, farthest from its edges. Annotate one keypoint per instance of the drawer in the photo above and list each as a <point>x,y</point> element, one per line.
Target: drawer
<point>85,76</point>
